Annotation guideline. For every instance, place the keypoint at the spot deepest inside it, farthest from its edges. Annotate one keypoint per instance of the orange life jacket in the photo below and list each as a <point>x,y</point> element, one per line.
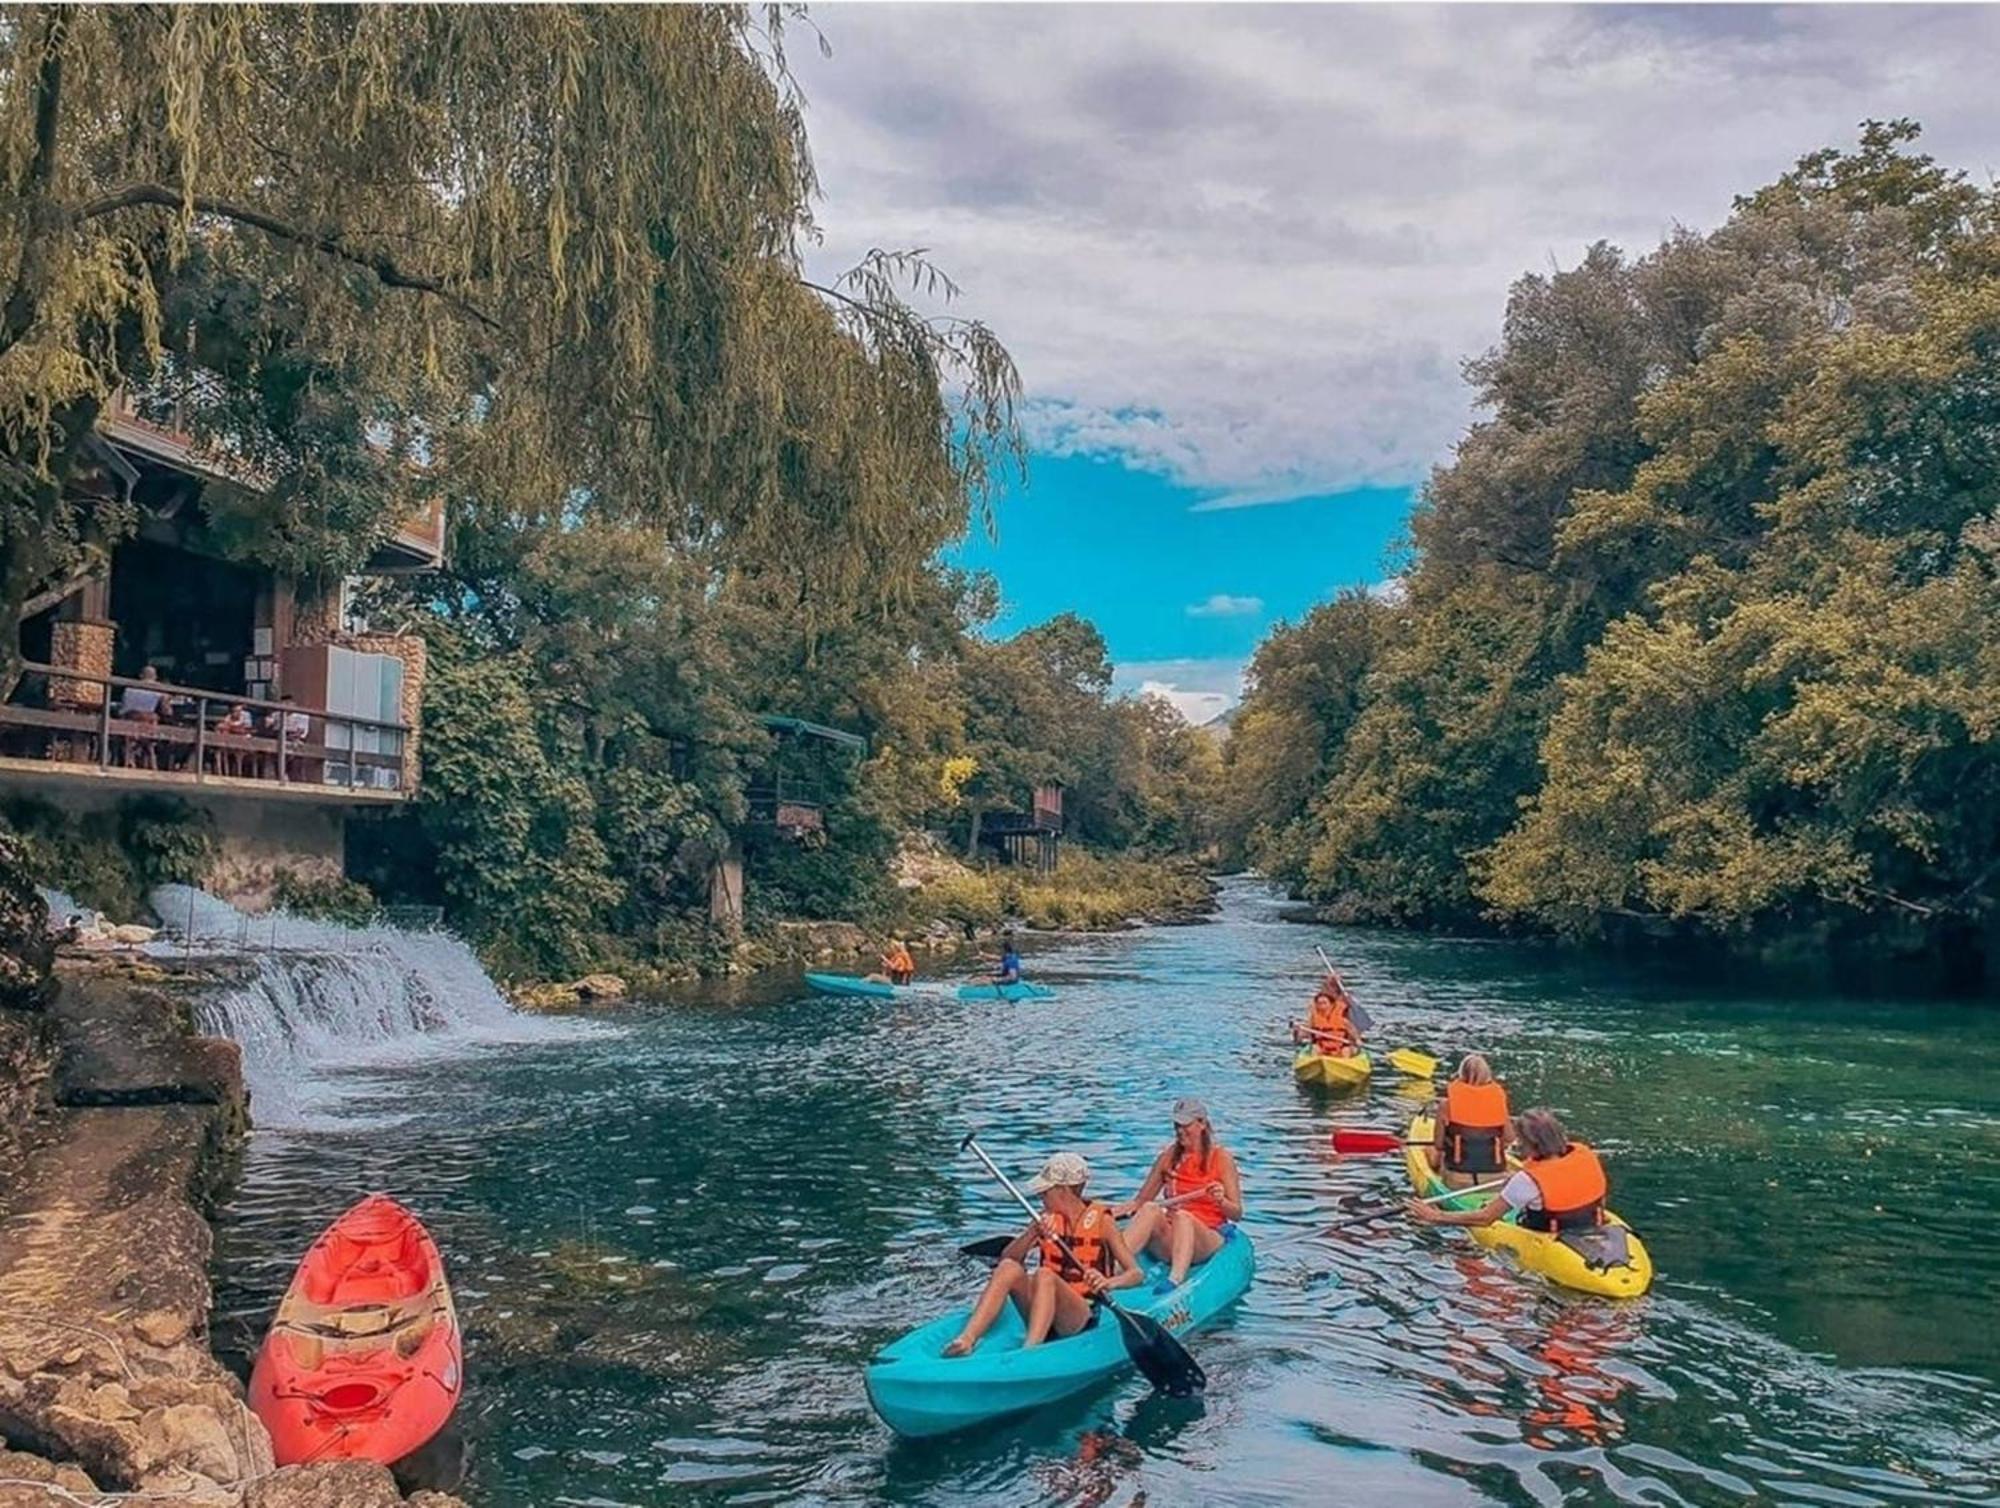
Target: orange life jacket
<point>1475,1124</point>
<point>1572,1186</point>
<point>897,961</point>
<point>1329,1014</point>
<point>1190,1175</point>
<point>1088,1250</point>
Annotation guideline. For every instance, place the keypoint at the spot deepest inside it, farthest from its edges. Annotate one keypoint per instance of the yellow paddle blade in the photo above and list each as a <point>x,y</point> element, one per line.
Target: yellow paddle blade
<point>1418,1065</point>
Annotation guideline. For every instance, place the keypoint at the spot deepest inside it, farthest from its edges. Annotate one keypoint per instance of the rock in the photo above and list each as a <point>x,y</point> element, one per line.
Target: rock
<point>18,1466</point>
<point>125,1043</point>
<point>27,948</point>
<point>331,1484</point>
<point>600,987</point>
<point>189,1437</point>
<point>161,1328</point>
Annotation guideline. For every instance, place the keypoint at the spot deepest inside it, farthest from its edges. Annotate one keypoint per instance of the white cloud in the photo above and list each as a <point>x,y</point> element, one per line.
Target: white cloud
<point>1249,247</point>
<point>1196,707</point>
<point>1200,690</point>
<point>1222,605</point>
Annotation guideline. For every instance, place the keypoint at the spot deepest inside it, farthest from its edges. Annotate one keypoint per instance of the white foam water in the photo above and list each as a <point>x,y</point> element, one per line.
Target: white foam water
<point>323,999</point>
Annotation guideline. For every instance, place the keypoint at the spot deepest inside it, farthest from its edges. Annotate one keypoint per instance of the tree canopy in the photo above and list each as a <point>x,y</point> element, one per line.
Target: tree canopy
<point>1702,626</point>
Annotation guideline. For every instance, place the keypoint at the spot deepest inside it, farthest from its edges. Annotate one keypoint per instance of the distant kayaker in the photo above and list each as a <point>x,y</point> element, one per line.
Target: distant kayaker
<point>1330,1025</point>
<point>1080,1251</point>
<point>897,965</point>
<point>1204,1194</point>
<point>1561,1185</point>
<point>1007,967</point>
<point>1473,1126</point>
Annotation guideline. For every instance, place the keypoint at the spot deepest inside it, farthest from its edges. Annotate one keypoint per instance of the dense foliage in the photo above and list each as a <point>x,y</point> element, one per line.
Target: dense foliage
<point>1702,630</point>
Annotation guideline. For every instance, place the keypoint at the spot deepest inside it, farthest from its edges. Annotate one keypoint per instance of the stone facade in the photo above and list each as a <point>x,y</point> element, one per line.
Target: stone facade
<point>83,644</point>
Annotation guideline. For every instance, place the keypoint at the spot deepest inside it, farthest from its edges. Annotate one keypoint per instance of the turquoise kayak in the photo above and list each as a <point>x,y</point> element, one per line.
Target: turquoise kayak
<point>918,1392</point>
<point>852,984</point>
<point>1021,991</point>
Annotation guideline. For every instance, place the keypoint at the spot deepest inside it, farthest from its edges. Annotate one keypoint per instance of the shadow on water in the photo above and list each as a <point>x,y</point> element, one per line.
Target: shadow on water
<point>676,1240</point>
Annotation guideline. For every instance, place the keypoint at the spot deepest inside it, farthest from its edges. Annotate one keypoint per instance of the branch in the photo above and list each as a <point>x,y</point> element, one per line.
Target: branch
<point>36,264</point>
<point>385,268</point>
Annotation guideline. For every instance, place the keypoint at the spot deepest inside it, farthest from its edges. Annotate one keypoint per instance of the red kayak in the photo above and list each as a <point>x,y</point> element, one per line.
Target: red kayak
<point>362,1362</point>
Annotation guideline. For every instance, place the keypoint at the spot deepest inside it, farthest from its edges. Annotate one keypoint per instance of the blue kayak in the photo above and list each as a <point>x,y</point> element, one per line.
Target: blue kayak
<point>852,984</point>
<point>918,1392</point>
<point>1021,991</point>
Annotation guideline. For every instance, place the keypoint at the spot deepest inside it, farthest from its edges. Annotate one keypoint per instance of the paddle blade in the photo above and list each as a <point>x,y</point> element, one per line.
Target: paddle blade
<point>988,1251</point>
<point>1348,1141</point>
<point>1418,1065</point>
<point>1363,1022</point>
<point>1161,1360</point>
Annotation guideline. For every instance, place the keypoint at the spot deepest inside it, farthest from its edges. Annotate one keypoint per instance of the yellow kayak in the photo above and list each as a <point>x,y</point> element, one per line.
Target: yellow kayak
<point>1311,1067</point>
<point>1536,1251</point>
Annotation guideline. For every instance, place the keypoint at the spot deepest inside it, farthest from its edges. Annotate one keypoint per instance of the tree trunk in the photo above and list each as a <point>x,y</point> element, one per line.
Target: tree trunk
<point>972,833</point>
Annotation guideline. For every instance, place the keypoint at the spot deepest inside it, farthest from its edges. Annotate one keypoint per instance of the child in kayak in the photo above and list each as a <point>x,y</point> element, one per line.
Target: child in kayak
<point>1560,1186</point>
<point>1473,1126</point>
<point>1081,1252</point>
<point>1204,1194</point>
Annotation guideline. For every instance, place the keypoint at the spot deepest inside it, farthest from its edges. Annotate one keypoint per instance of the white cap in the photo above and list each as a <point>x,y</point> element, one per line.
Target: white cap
<point>1064,1170</point>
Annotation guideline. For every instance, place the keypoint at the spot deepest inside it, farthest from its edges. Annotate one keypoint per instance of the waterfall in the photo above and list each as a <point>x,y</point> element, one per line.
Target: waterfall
<point>319,998</point>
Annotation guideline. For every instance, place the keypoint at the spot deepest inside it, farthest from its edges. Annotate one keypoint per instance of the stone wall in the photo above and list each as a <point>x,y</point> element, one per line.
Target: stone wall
<point>79,644</point>
<point>107,1382</point>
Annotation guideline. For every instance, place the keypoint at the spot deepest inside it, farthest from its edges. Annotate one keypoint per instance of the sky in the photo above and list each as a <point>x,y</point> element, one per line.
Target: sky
<point>1240,253</point>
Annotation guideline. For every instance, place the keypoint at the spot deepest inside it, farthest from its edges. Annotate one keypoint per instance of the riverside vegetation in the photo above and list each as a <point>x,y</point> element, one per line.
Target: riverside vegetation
<point>1699,637</point>
<point>548,269</point>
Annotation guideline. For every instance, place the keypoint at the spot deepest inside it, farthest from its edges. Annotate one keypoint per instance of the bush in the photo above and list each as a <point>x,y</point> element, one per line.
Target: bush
<point>109,861</point>
<point>328,899</point>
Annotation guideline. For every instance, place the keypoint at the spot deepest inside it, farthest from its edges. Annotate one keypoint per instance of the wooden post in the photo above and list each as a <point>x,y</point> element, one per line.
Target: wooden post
<point>104,728</point>
<point>201,738</point>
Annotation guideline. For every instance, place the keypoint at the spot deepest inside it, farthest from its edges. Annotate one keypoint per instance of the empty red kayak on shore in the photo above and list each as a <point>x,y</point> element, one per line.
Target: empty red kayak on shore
<point>362,1362</point>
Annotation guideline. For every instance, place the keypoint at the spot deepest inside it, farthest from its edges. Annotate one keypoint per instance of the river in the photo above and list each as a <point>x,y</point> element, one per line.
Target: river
<point>676,1239</point>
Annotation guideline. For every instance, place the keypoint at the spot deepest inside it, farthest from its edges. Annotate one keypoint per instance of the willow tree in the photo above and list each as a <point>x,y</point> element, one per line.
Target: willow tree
<point>559,246</point>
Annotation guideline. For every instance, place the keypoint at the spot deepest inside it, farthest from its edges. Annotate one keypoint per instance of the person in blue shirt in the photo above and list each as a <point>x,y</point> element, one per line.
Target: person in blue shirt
<point>1009,970</point>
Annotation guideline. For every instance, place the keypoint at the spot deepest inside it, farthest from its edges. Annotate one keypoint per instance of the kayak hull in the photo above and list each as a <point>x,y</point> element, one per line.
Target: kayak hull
<point>1329,1071</point>
<point>1021,991</point>
<point>850,984</point>
<point>362,1362</point>
<point>1538,1252</point>
<point>919,1393</point>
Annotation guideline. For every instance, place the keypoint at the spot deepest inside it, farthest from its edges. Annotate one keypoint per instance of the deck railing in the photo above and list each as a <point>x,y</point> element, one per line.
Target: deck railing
<point>290,745</point>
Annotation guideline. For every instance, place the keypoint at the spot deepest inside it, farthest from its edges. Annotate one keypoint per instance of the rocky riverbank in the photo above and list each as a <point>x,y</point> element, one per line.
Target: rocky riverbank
<point>124,1125</point>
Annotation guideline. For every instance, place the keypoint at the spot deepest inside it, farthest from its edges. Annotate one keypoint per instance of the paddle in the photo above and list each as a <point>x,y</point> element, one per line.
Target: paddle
<point>1358,1142</point>
<point>1161,1360</point>
<point>990,1249</point>
<point>1362,1020</point>
<point>1379,1211</point>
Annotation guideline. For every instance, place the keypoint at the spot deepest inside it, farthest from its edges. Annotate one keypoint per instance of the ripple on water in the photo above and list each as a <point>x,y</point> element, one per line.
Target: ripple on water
<point>725,1211</point>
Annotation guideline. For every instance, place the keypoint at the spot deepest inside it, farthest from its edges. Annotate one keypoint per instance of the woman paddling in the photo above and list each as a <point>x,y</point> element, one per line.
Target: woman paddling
<point>1561,1186</point>
<point>1330,1026</point>
<point>897,965</point>
<point>1082,1252</point>
<point>1204,1194</point>
<point>1473,1127</point>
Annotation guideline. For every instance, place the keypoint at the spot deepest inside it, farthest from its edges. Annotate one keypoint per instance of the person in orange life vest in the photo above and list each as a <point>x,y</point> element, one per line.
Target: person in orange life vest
<point>897,965</point>
<point>1473,1127</point>
<point>1329,1027</point>
<point>1559,1187</point>
<point>1054,1295</point>
<point>1204,1193</point>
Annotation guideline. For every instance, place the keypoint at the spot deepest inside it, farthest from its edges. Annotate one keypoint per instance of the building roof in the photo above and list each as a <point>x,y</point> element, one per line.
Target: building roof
<point>803,729</point>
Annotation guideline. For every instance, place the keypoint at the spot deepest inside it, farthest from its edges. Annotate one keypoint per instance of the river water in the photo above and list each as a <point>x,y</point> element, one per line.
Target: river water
<point>676,1238</point>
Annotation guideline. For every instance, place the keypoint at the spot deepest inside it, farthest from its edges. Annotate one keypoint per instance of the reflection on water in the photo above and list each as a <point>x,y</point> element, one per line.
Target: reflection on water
<point>676,1241</point>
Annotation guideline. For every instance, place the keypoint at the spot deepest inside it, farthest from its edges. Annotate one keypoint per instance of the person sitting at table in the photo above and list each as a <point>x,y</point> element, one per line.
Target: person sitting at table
<point>296,726</point>
<point>142,704</point>
<point>235,723</point>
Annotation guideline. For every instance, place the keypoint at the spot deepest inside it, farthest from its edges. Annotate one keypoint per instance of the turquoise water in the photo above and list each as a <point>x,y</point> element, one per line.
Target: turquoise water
<point>676,1239</point>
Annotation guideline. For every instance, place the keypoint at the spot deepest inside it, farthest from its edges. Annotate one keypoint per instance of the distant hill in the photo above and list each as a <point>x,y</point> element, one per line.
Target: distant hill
<point>1221,725</point>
